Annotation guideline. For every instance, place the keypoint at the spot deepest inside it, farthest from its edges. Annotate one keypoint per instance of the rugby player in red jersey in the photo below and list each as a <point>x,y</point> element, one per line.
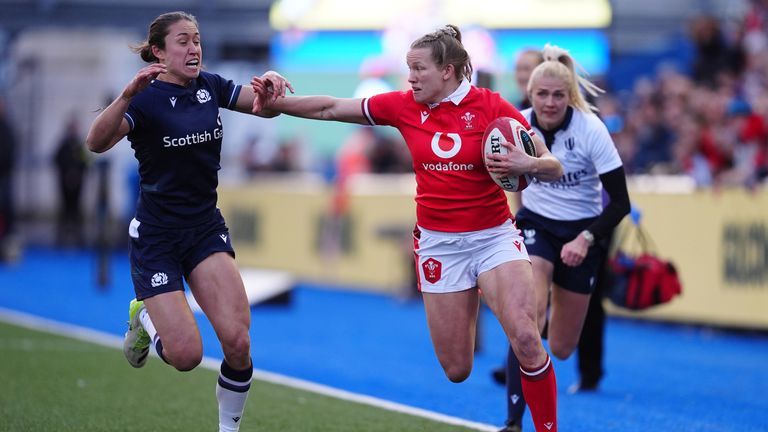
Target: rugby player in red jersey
<point>465,237</point>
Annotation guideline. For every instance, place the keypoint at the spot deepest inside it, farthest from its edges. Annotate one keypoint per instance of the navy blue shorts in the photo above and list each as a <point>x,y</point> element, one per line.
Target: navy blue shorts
<point>545,238</point>
<point>161,257</point>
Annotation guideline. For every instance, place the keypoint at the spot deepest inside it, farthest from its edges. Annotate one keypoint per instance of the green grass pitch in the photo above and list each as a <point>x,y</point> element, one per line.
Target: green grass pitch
<point>54,383</point>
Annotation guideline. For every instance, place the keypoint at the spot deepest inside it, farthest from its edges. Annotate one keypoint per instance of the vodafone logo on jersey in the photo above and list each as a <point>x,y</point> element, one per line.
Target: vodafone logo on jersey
<point>446,146</point>
<point>438,143</point>
<point>432,270</point>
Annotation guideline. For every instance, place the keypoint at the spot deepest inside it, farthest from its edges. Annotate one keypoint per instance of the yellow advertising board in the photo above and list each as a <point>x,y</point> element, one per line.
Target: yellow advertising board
<point>287,224</point>
<point>717,240</point>
<point>719,243</point>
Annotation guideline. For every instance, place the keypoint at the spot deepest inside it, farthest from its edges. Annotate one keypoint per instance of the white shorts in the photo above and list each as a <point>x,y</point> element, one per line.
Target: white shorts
<point>451,262</point>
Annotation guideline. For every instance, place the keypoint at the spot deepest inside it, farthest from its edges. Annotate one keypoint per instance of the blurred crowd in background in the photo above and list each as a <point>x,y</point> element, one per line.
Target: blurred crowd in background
<point>708,122</point>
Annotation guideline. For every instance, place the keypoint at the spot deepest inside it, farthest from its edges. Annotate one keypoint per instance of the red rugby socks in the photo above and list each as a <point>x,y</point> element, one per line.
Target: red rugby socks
<point>540,391</point>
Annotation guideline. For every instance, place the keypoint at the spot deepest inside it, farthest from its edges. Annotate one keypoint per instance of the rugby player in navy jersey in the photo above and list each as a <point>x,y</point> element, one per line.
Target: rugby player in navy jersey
<point>170,113</point>
<point>465,239</point>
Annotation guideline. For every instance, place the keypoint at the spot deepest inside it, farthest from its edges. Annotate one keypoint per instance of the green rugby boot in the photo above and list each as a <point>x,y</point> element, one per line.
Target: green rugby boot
<point>136,343</point>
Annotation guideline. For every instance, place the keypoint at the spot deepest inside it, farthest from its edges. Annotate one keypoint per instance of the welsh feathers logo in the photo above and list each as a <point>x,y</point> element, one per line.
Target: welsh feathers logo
<point>432,270</point>
<point>468,117</point>
<point>203,96</point>
<point>159,279</point>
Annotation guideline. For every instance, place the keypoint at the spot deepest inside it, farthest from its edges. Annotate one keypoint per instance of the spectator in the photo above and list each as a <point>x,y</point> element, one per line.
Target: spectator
<point>653,137</point>
<point>71,160</point>
<point>715,58</point>
<point>286,158</point>
<point>744,139</point>
<point>687,156</point>
<point>7,158</point>
<point>386,154</point>
<point>526,61</point>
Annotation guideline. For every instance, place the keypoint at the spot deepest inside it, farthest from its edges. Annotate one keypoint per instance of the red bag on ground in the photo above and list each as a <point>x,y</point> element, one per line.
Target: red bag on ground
<point>652,281</point>
<point>639,282</point>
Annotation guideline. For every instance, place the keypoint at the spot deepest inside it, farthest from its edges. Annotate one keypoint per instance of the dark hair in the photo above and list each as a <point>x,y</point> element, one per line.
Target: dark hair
<point>158,30</point>
<point>446,48</point>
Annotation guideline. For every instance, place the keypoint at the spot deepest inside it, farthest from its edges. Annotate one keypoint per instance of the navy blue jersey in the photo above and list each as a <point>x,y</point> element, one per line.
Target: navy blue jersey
<point>176,135</point>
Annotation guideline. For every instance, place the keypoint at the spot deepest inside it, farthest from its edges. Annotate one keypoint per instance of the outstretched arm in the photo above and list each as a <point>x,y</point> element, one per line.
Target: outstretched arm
<point>272,85</point>
<point>109,127</point>
<point>311,107</point>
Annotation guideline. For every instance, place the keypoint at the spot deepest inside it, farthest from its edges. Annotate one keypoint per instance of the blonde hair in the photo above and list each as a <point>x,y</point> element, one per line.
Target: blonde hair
<point>559,64</point>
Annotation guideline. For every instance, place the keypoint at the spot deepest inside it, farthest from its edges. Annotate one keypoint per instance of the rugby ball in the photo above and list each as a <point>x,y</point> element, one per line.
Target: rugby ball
<point>512,131</point>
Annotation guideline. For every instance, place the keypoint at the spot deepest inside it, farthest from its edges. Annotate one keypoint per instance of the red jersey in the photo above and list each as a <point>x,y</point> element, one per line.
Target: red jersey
<point>454,192</point>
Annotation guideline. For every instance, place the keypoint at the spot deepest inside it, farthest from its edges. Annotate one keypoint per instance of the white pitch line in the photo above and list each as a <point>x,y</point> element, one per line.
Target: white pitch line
<point>106,339</point>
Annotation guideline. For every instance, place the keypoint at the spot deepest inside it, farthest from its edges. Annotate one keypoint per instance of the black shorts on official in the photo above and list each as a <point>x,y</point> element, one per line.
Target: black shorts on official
<point>545,238</point>
<point>161,257</point>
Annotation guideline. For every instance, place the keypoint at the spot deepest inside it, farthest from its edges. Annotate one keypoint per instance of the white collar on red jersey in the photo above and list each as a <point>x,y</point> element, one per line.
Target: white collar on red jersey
<point>458,95</point>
